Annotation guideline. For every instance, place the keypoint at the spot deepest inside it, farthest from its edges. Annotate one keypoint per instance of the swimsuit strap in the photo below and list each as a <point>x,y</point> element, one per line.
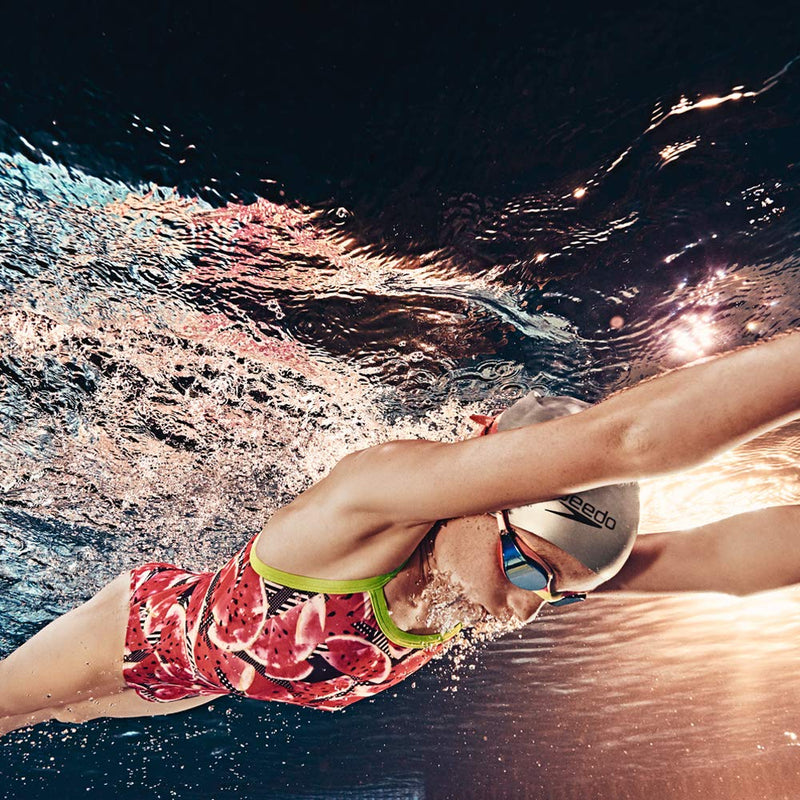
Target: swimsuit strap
<point>371,586</point>
<point>398,635</point>
<point>325,585</point>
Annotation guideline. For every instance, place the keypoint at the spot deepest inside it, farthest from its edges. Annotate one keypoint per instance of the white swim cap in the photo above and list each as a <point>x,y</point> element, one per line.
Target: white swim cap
<point>598,527</point>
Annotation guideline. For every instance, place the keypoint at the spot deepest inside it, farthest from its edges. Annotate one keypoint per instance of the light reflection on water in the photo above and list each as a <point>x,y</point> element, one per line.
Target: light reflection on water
<point>172,373</point>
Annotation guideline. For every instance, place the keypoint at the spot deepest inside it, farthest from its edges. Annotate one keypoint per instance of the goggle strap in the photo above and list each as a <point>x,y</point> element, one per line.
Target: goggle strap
<point>485,424</point>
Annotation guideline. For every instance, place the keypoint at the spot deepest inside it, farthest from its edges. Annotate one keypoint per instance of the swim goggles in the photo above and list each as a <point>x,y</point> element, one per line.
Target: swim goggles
<point>529,571</point>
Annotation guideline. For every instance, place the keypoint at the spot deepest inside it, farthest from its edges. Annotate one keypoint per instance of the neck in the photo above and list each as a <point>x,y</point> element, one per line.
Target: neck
<point>406,596</point>
<point>428,595</point>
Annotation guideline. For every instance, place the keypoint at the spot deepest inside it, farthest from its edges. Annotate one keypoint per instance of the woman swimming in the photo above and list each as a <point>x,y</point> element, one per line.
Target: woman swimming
<point>341,594</point>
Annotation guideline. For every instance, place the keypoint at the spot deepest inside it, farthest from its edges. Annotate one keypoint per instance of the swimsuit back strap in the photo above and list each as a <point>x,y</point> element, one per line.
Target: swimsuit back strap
<point>324,585</point>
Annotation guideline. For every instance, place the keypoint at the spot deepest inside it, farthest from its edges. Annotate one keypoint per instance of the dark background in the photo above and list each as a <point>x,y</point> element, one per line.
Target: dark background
<point>389,109</point>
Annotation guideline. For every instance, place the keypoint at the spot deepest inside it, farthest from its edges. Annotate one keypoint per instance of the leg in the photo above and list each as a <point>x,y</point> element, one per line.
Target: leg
<point>75,657</point>
<point>123,704</point>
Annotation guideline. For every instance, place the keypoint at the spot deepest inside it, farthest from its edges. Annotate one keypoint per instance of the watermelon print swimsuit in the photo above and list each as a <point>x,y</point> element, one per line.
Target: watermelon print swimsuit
<point>255,631</point>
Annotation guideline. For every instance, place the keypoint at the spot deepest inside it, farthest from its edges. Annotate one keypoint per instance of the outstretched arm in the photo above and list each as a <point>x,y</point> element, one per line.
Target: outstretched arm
<point>740,555</point>
<point>668,423</point>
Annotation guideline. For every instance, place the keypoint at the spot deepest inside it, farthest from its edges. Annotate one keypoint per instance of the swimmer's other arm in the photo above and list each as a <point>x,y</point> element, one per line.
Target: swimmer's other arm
<point>668,423</point>
<point>741,555</point>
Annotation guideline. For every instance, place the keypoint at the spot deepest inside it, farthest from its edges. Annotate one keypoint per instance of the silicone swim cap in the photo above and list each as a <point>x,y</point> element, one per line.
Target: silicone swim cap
<point>598,527</point>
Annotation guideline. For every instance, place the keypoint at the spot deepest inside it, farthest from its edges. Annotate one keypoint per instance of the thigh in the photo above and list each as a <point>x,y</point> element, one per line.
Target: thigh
<point>125,704</point>
<point>75,657</point>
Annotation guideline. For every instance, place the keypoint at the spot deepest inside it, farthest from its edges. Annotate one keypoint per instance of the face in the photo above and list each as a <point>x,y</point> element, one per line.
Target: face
<point>466,550</point>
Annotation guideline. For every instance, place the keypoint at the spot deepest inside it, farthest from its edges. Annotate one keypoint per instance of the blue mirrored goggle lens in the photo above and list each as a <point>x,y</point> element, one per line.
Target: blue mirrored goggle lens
<point>522,572</point>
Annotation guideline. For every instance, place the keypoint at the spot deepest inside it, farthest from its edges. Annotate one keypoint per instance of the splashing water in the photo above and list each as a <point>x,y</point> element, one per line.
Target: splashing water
<point>172,372</point>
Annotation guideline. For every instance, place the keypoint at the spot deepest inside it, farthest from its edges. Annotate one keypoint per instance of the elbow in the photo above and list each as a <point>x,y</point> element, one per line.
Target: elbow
<point>633,446</point>
<point>647,450</point>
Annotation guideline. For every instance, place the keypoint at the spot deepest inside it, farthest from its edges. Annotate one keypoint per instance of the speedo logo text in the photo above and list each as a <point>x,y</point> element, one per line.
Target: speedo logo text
<point>581,511</point>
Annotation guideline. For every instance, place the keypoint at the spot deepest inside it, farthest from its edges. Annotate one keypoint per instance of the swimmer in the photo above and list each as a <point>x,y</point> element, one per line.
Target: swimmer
<point>368,574</point>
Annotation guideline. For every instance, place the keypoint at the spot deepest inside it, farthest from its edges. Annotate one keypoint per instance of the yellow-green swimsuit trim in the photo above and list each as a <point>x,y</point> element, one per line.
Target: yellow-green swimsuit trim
<point>373,586</point>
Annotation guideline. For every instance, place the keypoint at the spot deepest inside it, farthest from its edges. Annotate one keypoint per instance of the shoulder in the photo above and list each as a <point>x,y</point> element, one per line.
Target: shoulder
<point>327,532</point>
